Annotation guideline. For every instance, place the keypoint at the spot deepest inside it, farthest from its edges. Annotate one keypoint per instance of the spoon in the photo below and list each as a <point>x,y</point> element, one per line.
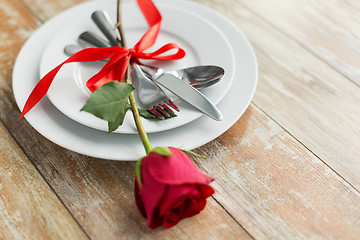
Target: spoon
<point>198,76</point>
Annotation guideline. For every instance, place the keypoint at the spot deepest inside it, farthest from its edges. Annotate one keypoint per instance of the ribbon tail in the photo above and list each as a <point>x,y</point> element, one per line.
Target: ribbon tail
<point>90,54</point>
<point>40,90</point>
<point>150,11</point>
<point>153,18</point>
<point>148,39</point>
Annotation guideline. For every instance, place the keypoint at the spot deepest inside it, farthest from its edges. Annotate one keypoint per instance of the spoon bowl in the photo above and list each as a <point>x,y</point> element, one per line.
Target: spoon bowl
<point>198,76</point>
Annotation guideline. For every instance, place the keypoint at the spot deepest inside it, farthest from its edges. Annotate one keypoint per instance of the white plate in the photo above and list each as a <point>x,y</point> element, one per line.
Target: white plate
<point>60,129</point>
<point>208,46</point>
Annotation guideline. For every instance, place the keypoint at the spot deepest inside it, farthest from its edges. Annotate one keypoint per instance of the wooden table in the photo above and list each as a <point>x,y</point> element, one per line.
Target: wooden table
<point>288,169</point>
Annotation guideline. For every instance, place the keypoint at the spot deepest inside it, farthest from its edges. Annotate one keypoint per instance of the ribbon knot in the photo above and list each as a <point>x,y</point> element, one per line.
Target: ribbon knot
<point>119,58</point>
<point>133,54</point>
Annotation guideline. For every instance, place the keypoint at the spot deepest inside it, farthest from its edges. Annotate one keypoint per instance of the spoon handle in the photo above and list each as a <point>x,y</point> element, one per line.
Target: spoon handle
<point>94,40</point>
<point>103,22</point>
<point>71,49</point>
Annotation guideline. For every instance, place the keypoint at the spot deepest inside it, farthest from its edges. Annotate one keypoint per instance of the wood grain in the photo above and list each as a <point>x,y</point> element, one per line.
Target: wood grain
<point>100,191</point>
<point>277,189</point>
<point>29,209</point>
<point>313,102</point>
<point>327,28</point>
<point>99,194</point>
<point>44,10</point>
<point>13,34</point>
<point>353,4</point>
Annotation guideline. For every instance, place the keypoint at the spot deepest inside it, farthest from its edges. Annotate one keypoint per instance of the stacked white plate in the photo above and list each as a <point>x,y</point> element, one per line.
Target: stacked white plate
<point>208,39</point>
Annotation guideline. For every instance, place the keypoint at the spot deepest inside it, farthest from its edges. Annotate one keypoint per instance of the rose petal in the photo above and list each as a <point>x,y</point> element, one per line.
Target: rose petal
<point>183,202</point>
<point>176,169</point>
<point>193,206</point>
<point>175,213</point>
<point>138,199</point>
<point>199,204</point>
<point>176,193</point>
<point>171,220</point>
<point>155,221</point>
<point>151,191</point>
<point>206,190</point>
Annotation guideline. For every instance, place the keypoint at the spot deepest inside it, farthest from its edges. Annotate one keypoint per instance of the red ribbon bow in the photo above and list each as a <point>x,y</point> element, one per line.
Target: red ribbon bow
<point>119,58</point>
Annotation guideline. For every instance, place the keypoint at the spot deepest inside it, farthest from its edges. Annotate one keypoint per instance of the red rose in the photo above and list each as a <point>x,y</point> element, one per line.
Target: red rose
<point>171,188</point>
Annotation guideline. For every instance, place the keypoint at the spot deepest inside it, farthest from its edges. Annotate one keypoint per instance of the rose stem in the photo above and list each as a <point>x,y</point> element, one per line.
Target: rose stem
<point>140,128</point>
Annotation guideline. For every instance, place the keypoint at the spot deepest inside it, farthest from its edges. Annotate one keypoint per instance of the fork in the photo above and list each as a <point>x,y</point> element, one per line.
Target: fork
<point>150,95</point>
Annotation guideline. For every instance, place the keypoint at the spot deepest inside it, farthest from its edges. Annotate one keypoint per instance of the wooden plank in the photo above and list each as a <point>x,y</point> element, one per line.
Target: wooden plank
<point>327,28</point>
<point>13,34</point>
<point>29,209</point>
<point>99,193</point>
<point>277,189</point>
<point>46,10</point>
<point>312,101</point>
<point>353,3</point>
<point>273,185</point>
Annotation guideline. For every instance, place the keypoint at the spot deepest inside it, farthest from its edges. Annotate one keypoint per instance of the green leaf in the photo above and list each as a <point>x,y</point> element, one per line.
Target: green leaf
<point>162,151</point>
<point>192,153</point>
<point>138,171</point>
<point>109,103</point>
<point>145,114</point>
<point>112,126</point>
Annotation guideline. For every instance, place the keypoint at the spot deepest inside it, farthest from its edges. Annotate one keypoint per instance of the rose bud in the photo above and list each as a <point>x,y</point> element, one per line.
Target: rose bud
<point>169,187</point>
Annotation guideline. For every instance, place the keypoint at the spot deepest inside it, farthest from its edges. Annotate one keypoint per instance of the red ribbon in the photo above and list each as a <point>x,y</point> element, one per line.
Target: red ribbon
<point>119,58</point>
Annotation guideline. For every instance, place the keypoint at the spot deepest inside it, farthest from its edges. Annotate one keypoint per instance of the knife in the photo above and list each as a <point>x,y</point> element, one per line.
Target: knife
<point>189,94</point>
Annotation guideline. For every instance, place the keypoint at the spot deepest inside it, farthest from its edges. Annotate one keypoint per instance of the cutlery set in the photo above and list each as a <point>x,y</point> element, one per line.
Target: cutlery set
<point>182,83</point>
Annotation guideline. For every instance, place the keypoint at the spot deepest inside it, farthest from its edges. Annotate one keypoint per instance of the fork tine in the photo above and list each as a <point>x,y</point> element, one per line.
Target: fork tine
<point>167,108</point>
<point>162,111</point>
<point>170,103</point>
<point>155,113</point>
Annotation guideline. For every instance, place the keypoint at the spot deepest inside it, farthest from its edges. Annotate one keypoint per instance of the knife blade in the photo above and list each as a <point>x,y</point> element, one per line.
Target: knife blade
<point>189,95</point>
